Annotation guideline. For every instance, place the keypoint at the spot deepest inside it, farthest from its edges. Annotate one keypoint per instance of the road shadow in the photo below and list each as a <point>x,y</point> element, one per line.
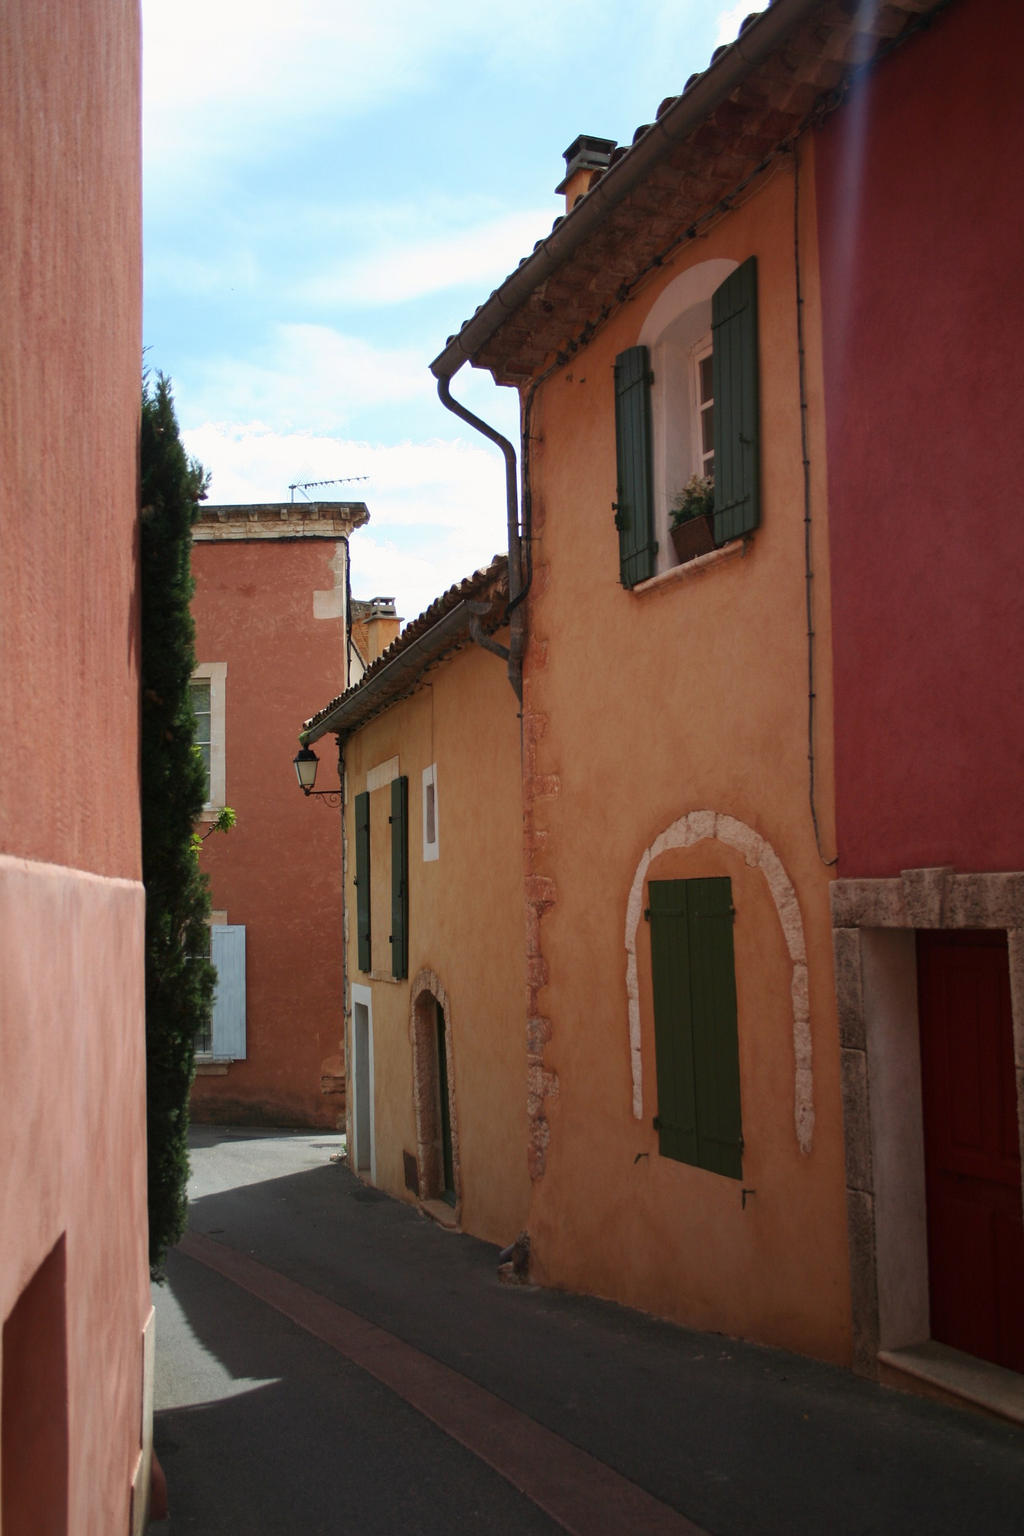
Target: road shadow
<point>737,1437</point>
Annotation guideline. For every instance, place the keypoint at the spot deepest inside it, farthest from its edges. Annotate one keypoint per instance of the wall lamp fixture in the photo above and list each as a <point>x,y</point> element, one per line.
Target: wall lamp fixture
<point>306,764</point>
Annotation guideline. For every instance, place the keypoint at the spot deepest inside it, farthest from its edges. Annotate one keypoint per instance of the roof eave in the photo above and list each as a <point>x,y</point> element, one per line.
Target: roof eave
<point>754,44</point>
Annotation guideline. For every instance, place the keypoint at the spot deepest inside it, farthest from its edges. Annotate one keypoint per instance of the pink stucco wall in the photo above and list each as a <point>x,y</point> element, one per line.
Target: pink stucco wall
<point>72,1132</point>
<point>921,250</point>
<point>278,872</point>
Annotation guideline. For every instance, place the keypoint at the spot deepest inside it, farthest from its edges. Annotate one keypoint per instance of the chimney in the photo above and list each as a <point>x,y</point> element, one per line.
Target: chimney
<point>382,625</point>
<point>585,158</point>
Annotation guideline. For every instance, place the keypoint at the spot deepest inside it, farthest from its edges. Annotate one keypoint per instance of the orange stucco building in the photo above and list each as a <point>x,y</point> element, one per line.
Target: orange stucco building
<point>429,741</point>
<point>686,1143</point>
<point>731,1020</point>
<point>273,637</point>
<point>76,1351</point>
<point>665,720</point>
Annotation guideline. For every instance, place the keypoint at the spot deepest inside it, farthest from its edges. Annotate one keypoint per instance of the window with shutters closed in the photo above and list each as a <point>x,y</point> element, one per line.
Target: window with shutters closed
<point>695,1027</point>
<point>362,881</point>
<point>224,1037</point>
<point>399,823</point>
<point>686,406</point>
<point>381,815</point>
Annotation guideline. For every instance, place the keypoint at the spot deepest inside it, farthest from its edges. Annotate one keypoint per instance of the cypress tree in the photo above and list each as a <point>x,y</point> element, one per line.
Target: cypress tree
<point>179,976</point>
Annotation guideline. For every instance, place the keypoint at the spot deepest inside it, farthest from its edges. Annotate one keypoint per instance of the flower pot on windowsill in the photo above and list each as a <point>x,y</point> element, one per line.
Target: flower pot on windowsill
<point>693,536</point>
<point>692,522</point>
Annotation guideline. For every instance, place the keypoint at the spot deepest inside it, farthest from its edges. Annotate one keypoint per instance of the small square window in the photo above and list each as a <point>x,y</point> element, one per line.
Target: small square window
<point>430,841</point>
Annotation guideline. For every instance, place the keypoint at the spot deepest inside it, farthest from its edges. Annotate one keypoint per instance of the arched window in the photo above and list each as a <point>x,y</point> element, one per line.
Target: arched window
<point>686,405</point>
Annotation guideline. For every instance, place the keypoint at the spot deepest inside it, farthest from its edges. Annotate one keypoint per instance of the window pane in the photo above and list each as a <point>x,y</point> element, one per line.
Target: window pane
<point>707,429</point>
<point>705,378</point>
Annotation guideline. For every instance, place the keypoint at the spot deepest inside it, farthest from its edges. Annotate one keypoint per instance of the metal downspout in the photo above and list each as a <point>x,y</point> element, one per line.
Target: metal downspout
<point>517,616</point>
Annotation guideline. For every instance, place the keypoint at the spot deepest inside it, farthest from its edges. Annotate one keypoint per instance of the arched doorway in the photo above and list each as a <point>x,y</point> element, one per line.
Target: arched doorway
<point>433,1088</point>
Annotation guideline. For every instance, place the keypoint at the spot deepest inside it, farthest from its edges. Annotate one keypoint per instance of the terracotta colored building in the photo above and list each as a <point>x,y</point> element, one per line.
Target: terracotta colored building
<point>684,1062</point>
<point>685,1136</point>
<point>773,897</point>
<point>922,363</point>
<point>272,619</point>
<point>76,1353</point>
<point>433,831</point>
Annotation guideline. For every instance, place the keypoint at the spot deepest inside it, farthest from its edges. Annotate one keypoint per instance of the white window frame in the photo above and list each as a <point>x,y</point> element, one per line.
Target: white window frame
<point>698,354</point>
<point>362,1083</point>
<point>431,845</point>
<point>215,673</point>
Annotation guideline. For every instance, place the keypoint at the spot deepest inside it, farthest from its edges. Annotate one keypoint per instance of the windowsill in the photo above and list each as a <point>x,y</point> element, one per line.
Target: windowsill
<point>957,1375</point>
<point>696,567</point>
<point>396,981</point>
<point>211,1066</point>
<point>210,812</point>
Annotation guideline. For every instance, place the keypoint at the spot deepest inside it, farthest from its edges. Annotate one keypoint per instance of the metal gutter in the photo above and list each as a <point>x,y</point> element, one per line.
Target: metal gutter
<point>517,619</point>
<point>754,44</point>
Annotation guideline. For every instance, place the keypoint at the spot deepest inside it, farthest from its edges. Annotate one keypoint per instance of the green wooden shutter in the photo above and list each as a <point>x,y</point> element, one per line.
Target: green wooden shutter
<point>400,877</point>
<point>696,1042</point>
<point>715,1040</point>
<point>673,1022</point>
<point>363,879</point>
<point>633,504</point>
<point>734,373</point>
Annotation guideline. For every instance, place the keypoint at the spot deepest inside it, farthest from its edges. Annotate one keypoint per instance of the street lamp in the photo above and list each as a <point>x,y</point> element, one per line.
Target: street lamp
<point>306,764</point>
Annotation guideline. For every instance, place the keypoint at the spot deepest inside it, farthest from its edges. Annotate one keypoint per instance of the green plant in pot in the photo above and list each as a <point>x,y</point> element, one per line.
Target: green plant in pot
<point>692,518</point>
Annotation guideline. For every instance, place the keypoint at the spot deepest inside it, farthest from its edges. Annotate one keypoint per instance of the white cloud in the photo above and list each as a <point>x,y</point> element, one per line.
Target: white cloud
<point>220,76</point>
<point>437,508</point>
<point>400,270</point>
<point>306,376</point>
<point>728,22</point>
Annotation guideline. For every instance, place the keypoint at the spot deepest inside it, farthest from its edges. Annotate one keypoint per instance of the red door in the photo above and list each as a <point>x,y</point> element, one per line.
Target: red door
<point>972,1149</point>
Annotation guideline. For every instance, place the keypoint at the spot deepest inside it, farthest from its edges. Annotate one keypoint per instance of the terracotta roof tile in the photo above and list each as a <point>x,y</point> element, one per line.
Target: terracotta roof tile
<point>489,582</point>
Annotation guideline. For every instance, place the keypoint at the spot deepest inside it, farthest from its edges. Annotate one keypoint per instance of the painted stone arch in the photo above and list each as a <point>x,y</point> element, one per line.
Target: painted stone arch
<point>696,827</point>
<point>428,998</point>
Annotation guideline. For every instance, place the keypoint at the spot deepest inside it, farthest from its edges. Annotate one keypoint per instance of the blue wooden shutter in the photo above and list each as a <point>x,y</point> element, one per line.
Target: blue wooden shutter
<point>400,877</point>
<point>696,1042</point>
<point>227,951</point>
<point>634,516</point>
<point>734,373</point>
<point>362,809</point>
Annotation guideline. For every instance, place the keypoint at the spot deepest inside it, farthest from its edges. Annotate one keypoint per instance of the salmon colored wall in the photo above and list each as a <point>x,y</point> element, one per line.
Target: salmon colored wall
<point>73,1151</point>
<point>465,925</point>
<point>70,322</point>
<point>278,871</point>
<point>921,250</point>
<point>72,1135</point>
<point>640,708</point>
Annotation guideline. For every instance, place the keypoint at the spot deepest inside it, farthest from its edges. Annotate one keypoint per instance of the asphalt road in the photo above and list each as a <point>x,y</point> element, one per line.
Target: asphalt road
<point>329,1361</point>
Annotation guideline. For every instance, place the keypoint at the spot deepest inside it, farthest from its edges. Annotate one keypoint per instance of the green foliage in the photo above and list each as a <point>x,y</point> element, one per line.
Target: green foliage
<point>179,976</point>
<point>226,819</point>
<point>696,499</point>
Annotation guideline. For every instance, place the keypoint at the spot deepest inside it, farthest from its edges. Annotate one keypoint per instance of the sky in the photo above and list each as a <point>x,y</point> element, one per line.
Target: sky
<point>330,191</point>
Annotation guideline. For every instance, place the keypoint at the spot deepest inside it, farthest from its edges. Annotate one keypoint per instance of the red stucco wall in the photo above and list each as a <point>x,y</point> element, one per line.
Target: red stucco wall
<point>922,248</point>
<point>70,341</point>
<point>278,871</point>
<point>72,1067</point>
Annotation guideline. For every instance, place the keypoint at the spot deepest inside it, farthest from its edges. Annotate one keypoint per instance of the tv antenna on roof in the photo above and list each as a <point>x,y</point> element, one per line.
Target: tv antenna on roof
<point>309,485</point>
